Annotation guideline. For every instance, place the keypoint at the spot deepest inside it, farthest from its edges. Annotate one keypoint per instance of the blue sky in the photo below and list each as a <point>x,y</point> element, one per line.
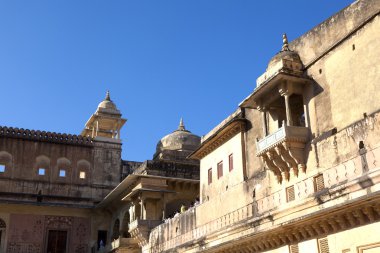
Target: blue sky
<point>161,60</point>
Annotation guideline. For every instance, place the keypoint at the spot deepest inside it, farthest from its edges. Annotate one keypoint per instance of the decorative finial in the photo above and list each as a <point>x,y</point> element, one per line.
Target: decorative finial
<point>108,98</point>
<point>181,126</point>
<point>285,45</point>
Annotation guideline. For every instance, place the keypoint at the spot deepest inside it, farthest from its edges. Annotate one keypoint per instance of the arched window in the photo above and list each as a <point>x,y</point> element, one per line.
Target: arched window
<point>5,162</point>
<point>124,227</point>
<point>2,224</point>
<point>116,230</point>
<point>42,165</point>
<point>64,168</point>
<point>83,170</point>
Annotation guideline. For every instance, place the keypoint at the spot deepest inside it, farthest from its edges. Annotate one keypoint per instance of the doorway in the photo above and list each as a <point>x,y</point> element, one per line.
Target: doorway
<point>57,241</point>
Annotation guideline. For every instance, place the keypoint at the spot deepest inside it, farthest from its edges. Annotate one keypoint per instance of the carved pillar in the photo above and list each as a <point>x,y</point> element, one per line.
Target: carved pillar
<point>284,91</point>
<point>289,120</point>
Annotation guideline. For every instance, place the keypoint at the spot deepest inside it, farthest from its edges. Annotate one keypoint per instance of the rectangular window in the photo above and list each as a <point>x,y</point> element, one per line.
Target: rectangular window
<point>220,169</point>
<point>62,173</point>
<point>290,193</point>
<point>41,171</point>
<point>231,162</point>
<point>293,248</point>
<point>210,176</point>
<point>2,168</point>
<point>82,175</point>
<point>323,245</point>
<point>319,184</point>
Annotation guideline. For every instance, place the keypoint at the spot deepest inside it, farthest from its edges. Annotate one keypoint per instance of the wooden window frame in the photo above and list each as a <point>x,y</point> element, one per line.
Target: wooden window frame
<point>209,175</point>
<point>220,169</point>
<point>231,162</point>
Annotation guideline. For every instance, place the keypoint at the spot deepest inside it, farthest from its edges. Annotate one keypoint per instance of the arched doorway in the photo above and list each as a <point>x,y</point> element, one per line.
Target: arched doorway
<point>124,226</point>
<point>2,235</point>
<point>116,230</point>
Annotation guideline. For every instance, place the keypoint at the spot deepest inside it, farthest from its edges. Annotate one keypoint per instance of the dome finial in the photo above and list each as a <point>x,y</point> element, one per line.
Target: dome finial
<point>108,98</point>
<point>181,126</point>
<point>285,45</point>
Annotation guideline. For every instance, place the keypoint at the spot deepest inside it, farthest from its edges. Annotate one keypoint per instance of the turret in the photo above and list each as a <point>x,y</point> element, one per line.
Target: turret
<point>106,122</point>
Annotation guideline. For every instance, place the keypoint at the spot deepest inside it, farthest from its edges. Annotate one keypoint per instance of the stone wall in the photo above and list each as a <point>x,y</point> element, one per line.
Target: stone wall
<point>24,152</point>
<point>28,233</point>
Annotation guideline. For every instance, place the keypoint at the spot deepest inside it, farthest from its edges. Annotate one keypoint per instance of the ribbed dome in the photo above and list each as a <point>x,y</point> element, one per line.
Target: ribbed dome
<point>107,106</point>
<point>177,145</point>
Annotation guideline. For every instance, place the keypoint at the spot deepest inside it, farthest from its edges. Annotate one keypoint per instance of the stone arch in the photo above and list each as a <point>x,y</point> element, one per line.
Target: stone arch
<point>116,230</point>
<point>6,160</point>
<point>124,226</point>
<point>3,228</point>
<point>83,166</point>
<point>2,224</point>
<point>63,164</point>
<point>42,162</point>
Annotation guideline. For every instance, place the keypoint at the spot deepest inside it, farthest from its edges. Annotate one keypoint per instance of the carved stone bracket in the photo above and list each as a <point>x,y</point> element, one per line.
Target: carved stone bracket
<point>283,151</point>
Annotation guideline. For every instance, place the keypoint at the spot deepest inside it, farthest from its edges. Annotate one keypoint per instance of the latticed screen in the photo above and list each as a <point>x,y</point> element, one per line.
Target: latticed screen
<point>290,194</point>
<point>294,248</point>
<point>323,245</point>
<point>319,183</point>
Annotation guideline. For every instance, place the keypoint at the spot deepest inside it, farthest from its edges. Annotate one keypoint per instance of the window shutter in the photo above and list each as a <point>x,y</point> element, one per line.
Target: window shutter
<point>323,245</point>
<point>290,193</point>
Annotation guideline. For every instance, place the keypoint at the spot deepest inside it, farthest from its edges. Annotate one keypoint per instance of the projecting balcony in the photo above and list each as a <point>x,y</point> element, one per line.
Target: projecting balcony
<point>284,150</point>
<point>140,229</point>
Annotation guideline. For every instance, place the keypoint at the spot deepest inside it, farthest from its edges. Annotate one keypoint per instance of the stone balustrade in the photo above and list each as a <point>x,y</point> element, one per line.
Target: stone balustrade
<point>348,177</point>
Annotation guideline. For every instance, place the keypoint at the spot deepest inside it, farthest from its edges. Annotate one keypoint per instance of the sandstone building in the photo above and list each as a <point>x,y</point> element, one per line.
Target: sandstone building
<point>294,169</point>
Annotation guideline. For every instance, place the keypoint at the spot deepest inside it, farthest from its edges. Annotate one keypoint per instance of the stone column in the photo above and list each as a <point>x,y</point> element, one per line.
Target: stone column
<point>142,209</point>
<point>289,120</point>
<point>163,206</point>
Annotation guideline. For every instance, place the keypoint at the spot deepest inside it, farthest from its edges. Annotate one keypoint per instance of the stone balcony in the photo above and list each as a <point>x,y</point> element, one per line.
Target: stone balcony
<point>284,150</point>
<point>140,229</point>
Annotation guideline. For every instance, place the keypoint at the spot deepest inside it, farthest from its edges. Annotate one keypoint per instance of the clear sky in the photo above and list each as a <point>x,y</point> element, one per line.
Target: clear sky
<point>160,59</point>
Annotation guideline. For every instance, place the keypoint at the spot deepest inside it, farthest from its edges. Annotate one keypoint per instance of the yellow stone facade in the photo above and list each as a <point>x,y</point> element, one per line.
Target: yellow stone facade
<point>296,167</point>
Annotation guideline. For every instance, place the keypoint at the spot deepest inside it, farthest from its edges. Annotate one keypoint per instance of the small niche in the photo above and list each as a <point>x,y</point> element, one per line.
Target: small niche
<point>353,47</point>
<point>320,71</point>
<point>361,144</point>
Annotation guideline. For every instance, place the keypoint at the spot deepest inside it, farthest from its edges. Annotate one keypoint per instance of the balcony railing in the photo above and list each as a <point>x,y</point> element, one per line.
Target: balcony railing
<point>283,150</point>
<point>149,224</point>
<point>336,178</point>
<point>284,133</point>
